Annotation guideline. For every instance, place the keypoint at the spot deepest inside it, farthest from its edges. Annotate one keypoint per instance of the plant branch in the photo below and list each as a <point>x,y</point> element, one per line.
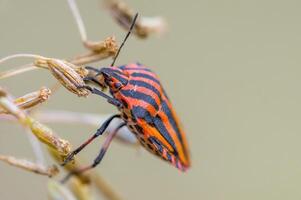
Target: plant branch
<point>30,166</point>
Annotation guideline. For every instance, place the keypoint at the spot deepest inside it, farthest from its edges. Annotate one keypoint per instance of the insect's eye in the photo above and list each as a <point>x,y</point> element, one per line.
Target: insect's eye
<point>117,85</point>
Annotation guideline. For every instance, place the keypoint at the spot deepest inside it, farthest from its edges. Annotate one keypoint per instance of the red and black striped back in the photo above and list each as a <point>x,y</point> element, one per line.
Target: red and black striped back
<point>150,115</point>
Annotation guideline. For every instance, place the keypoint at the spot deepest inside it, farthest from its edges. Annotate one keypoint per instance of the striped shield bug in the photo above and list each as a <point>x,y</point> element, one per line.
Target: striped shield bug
<point>144,108</point>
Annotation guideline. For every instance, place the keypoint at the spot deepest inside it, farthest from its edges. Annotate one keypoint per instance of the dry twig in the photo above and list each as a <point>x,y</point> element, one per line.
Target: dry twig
<point>42,132</point>
<point>30,166</point>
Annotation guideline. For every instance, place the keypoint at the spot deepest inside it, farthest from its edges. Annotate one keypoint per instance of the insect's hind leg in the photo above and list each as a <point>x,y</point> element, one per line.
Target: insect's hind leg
<point>99,132</point>
<point>100,156</point>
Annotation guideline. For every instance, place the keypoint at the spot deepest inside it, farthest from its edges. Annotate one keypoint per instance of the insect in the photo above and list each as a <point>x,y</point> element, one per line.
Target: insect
<point>144,108</point>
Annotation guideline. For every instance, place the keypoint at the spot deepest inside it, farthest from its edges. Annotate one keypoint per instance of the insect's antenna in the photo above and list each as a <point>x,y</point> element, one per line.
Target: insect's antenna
<point>126,37</point>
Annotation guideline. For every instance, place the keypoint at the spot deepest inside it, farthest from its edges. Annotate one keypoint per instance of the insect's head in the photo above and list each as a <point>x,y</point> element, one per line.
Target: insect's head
<point>114,78</point>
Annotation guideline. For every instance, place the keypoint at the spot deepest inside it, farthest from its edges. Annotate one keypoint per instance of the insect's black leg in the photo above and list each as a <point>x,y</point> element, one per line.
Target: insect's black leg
<point>93,80</point>
<point>98,133</point>
<point>111,100</point>
<point>100,156</point>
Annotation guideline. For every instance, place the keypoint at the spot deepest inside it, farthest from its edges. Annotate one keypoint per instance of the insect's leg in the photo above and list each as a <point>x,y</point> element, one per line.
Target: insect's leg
<point>100,156</point>
<point>111,100</point>
<point>93,80</point>
<point>98,133</point>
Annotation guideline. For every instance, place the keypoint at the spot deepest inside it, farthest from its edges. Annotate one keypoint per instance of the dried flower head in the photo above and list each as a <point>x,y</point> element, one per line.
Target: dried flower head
<point>47,136</point>
<point>68,74</point>
<point>32,99</point>
<point>108,46</point>
<point>124,16</point>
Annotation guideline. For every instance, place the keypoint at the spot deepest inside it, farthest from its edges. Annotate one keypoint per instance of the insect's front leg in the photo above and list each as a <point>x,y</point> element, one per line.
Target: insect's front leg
<point>111,100</point>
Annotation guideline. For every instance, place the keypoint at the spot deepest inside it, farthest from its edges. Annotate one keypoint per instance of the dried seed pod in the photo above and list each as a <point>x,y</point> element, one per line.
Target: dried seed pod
<point>30,166</point>
<point>108,46</point>
<point>67,75</point>
<point>47,136</point>
<point>32,99</point>
<point>124,16</point>
<point>99,51</point>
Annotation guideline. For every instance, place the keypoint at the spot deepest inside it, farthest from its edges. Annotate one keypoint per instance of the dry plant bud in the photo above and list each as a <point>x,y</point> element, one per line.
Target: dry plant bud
<point>124,16</point>
<point>30,166</point>
<point>68,74</point>
<point>99,51</point>
<point>108,46</point>
<point>32,99</point>
<point>47,136</point>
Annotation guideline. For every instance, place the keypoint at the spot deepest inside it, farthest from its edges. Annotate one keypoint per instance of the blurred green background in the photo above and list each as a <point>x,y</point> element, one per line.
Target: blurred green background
<point>231,68</point>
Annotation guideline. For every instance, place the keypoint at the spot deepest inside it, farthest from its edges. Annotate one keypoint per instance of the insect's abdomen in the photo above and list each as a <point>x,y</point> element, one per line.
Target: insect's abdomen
<point>150,116</point>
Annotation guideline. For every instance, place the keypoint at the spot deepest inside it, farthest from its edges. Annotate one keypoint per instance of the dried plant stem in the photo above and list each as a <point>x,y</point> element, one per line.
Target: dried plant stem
<point>42,132</point>
<point>89,58</point>
<point>25,55</point>
<point>13,72</point>
<point>78,19</point>
<point>58,191</point>
<point>81,190</point>
<point>104,187</point>
<point>36,147</point>
<point>30,166</point>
